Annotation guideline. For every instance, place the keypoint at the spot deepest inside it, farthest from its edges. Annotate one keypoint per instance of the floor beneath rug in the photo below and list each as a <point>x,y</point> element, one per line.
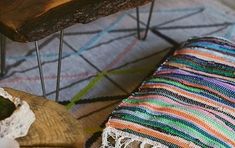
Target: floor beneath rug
<point>103,62</point>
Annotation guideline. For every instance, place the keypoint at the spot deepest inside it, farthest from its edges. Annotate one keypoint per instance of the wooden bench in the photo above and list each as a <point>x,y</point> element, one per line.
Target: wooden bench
<point>32,20</point>
<point>27,20</point>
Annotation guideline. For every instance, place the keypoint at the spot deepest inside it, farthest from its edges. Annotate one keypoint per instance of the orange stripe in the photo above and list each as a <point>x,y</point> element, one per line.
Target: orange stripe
<point>181,66</point>
<point>141,129</point>
<point>198,86</point>
<point>185,116</point>
<point>193,96</point>
<point>188,105</point>
<point>204,54</point>
<point>174,70</point>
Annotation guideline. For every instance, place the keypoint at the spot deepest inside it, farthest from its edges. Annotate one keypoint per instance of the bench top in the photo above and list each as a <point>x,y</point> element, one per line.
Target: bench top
<point>31,20</point>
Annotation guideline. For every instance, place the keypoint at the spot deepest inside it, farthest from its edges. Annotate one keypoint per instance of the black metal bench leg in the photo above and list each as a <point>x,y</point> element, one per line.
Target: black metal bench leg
<point>148,23</point>
<point>59,66</point>
<point>40,69</point>
<point>3,54</point>
<point>58,69</point>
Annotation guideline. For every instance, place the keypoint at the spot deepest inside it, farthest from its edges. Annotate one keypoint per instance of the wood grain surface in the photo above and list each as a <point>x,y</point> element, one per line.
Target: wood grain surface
<point>54,126</point>
<point>31,20</point>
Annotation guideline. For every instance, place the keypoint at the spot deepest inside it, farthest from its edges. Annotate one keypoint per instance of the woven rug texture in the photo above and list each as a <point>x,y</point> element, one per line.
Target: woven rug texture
<point>103,62</point>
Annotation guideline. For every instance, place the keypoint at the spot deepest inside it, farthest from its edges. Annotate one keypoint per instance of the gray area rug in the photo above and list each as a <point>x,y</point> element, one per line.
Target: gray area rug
<point>104,62</point>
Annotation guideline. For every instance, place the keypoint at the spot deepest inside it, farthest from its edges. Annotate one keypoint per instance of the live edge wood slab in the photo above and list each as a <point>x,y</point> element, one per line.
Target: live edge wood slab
<point>54,126</point>
<point>31,20</point>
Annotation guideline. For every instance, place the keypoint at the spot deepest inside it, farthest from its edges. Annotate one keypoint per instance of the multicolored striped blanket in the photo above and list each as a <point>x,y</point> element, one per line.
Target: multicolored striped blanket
<point>188,102</point>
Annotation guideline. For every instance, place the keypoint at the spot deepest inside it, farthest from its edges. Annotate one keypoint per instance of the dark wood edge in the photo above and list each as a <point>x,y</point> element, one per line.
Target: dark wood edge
<point>67,15</point>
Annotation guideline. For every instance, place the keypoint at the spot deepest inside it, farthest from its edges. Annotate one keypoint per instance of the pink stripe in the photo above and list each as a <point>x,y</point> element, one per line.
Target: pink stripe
<point>50,77</point>
<point>122,54</point>
<point>198,108</point>
<point>147,105</point>
<point>170,71</point>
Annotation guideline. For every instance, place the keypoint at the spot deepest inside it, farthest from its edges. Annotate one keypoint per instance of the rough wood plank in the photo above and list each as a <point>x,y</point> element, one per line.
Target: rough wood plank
<point>54,126</point>
<point>30,20</point>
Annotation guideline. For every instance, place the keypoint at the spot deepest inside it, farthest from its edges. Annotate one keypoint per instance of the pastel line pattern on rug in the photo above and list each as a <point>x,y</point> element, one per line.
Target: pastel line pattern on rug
<point>101,75</point>
<point>188,102</point>
<point>110,29</point>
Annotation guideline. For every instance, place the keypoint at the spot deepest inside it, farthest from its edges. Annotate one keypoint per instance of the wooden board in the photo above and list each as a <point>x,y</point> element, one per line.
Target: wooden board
<point>31,20</point>
<point>54,126</point>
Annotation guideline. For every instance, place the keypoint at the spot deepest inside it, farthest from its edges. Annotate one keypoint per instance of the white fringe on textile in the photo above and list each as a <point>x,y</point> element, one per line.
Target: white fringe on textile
<point>123,139</point>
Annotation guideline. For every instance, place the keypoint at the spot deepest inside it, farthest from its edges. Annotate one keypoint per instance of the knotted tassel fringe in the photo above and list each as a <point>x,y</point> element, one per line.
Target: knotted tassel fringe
<point>120,139</point>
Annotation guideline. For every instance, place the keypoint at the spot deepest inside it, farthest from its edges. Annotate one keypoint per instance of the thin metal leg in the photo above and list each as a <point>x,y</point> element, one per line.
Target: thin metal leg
<point>40,69</point>
<point>59,66</point>
<point>138,23</point>
<point>3,53</point>
<point>148,23</point>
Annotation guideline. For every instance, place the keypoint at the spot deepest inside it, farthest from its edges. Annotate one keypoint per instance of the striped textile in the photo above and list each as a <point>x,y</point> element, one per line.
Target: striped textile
<point>188,102</point>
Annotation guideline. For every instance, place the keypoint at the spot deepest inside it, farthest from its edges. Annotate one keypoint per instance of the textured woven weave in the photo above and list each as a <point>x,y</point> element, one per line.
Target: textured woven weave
<point>188,102</point>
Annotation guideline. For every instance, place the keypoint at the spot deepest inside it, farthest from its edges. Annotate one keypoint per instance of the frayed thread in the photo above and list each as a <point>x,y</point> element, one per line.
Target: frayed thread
<point>124,139</point>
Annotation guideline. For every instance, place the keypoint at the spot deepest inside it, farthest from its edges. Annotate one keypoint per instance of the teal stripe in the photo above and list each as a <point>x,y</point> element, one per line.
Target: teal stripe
<point>181,125</point>
<point>215,46</point>
<point>204,68</point>
<point>199,80</point>
<point>191,89</point>
<point>187,110</point>
<point>139,111</point>
<point>160,127</point>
